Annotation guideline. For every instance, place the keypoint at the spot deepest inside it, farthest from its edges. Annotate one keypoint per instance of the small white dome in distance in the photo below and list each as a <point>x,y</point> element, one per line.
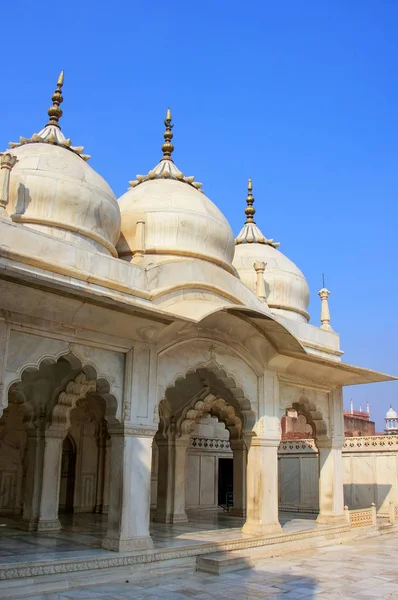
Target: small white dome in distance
<point>391,413</point>
<point>166,216</point>
<point>55,191</point>
<point>287,291</point>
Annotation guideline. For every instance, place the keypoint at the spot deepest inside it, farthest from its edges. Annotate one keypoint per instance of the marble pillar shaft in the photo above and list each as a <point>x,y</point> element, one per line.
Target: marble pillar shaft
<point>331,495</point>
<point>171,480</point>
<point>129,492</point>
<point>262,487</point>
<point>239,477</point>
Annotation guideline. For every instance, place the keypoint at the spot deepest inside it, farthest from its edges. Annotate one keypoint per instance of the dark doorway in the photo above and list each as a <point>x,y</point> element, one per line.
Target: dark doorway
<point>225,482</point>
<point>67,487</point>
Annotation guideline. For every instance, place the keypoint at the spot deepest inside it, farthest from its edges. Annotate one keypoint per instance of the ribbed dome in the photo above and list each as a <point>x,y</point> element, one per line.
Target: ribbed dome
<point>175,219</point>
<point>54,190</point>
<point>287,291</point>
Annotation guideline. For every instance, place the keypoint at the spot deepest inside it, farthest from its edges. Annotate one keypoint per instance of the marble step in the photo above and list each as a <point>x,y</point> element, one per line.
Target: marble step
<point>219,563</point>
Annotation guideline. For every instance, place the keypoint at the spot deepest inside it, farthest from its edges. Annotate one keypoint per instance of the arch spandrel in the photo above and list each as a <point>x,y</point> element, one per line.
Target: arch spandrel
<point>312,405</point>
<point>189,356</point>
<point>206,389</point>
<point>38,362</point>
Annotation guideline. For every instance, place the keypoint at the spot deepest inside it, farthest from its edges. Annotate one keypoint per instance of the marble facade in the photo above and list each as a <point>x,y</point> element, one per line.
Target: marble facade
<point>131,331</point>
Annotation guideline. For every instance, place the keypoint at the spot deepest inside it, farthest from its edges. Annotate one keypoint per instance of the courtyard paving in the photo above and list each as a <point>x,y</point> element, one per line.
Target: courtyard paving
<point>363,569</point>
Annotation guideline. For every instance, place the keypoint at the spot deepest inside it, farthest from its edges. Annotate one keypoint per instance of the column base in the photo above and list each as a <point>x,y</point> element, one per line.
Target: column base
<point>258,529</point>
<point>127,545</point>
<point>237,512</point>
<point>170,518</point>
<point>28,525</point>
<point>53,525</point>
<point>331,519</point>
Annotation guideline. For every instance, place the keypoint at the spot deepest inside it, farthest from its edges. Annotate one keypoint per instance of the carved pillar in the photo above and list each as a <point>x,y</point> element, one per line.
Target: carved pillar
<point>33,478</point>
<point>4,341</point>
<point>101,445</point>
<point>51,479</point>
<point>239,479</point>
<point>129,489</point>
<point>106,475</point>
<point>7,162</point>
<point>262,486</point>
<point>172,460</point>
<point>331,497</point>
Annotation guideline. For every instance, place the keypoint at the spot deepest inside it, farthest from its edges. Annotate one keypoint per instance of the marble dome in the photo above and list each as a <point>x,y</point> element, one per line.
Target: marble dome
<point>287,291</point>
<point>165,216</point>
<point>54,190</point>
<point>391,413</point>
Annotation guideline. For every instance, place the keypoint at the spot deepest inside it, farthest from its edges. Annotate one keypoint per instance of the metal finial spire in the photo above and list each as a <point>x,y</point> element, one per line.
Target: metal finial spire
<point>55,111</point>
<point>167,147</point>
<point>249,210</point>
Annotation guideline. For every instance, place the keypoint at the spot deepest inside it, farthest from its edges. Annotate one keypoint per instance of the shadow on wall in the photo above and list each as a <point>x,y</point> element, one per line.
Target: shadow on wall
<point>361,495</point>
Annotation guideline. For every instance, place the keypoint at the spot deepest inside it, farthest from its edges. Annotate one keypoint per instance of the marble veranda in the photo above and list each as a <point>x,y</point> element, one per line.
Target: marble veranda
<point>126,323</point>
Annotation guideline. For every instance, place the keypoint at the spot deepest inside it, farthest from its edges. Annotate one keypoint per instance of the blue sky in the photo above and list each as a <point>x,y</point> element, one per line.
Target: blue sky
<point>301,96</point>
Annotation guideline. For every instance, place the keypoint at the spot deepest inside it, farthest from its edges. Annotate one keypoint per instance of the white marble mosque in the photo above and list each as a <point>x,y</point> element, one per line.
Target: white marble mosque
<point>147,355</point>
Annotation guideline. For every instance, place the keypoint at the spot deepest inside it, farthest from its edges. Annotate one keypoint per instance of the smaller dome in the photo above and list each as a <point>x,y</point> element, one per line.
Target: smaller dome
<point>287,291</point>
<point>391,413</point>
<point>55,191</point>
<point>166,216</point>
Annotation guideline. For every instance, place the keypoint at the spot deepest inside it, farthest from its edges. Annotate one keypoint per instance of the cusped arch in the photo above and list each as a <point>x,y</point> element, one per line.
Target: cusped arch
<point>214,406</point>
<point>76,390</point>
<point>314,417</point>
<point>103,386</point>
<point>221,382</point>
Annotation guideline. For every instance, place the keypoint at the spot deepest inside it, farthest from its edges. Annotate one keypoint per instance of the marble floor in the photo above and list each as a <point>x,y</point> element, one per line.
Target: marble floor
<point>362,570</point>
<point>81,535</point>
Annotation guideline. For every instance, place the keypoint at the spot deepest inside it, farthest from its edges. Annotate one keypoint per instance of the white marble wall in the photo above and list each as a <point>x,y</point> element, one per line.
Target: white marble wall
<point>298,482</point>
<point>368,476</point>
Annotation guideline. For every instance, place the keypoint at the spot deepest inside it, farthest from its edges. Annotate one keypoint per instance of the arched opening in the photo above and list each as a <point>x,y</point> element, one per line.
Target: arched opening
<point>199,453</point>
<point>55,447</point>
<point>14,425</point>
<point>298,464</point>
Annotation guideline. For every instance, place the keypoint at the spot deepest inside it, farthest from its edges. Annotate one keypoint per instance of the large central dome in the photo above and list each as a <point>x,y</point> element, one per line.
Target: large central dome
<point>165,216</point>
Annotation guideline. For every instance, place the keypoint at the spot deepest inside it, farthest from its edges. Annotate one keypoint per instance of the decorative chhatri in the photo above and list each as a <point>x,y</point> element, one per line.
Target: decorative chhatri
<point>52,134</point>
<point>166,169</point>
<point>250,233</point>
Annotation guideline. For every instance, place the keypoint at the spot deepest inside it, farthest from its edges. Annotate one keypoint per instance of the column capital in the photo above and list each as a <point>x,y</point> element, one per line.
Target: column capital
<point>255,440</point>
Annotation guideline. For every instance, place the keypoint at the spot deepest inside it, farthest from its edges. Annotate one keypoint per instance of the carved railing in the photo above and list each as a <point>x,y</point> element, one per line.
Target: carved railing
<point>362,517</point>
<point>204,443</point>
<point>307,446</point>
<point>371,443</point>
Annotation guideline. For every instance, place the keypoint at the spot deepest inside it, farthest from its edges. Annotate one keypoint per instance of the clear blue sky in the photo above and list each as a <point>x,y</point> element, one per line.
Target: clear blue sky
<point>301,96</point>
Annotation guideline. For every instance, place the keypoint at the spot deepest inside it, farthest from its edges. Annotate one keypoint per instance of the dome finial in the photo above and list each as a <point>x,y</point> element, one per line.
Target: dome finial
<point>167,147</point>
<point>249,210</point>
<point>55,111</point>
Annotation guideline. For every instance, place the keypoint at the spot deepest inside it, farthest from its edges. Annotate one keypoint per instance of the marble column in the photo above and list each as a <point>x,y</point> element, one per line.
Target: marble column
<point>33,479</point>
<point>99,493</point>
<point>4,341</point>
<point>331,496</point>
<point>239,477</point>
<point>172,457</point>
<point>129,489</point>
<point>51,479</point>
<point>262,487</point>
